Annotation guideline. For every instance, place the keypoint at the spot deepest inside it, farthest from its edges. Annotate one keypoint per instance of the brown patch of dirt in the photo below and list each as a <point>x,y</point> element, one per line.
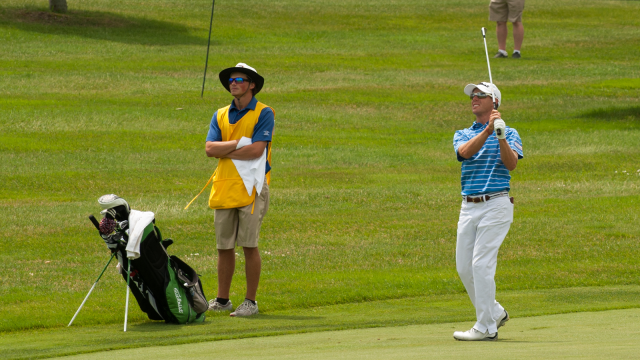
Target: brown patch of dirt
<point>72,18</point>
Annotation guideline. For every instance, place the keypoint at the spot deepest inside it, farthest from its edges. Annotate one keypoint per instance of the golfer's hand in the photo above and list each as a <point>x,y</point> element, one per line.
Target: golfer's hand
<point>500,128</point>
<point>494,115</point>
<point>489,128</point>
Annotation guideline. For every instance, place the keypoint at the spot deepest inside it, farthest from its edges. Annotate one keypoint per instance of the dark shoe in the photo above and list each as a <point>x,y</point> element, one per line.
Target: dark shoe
<point>500,55</point>
<point>515,55</point>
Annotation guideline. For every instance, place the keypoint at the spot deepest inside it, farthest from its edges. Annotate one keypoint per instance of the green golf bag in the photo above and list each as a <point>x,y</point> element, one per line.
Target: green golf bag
<point>165,287</point>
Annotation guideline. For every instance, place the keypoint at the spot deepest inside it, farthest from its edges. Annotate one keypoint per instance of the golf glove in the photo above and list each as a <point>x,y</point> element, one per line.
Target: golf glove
<point>500,128</point>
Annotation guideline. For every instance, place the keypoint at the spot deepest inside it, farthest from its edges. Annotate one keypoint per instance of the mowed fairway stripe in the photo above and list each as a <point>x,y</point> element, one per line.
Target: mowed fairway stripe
<point>588,335</point>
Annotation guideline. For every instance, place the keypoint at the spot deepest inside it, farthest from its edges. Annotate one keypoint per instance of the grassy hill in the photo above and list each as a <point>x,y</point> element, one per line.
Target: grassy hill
<point>365,183</point>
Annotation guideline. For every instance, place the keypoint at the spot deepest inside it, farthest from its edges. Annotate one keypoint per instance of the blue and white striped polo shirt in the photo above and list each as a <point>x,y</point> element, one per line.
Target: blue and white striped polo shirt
<point>484,172</point>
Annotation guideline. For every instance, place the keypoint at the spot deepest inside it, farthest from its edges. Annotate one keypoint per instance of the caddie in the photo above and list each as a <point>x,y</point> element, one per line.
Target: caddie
<point>240,137</point>
<point>488,151</point>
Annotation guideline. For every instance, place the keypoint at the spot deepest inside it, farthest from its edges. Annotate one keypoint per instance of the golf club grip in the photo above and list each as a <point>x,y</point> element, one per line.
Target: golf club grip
<point>95,222</point>
<point>483,33</point>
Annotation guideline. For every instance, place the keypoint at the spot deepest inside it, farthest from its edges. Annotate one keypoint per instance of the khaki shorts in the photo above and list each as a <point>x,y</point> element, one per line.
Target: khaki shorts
<point>506,10</point>
<point>238,226</point>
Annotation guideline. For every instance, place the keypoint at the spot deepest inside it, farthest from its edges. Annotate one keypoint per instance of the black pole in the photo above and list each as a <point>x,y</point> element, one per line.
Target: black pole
<point>204,78</point>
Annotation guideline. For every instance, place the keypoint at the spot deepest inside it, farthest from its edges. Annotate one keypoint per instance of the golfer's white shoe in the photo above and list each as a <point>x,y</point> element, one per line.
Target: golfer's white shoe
<point>475,335</point>
<point>502,319</point>
<point>216,306</point>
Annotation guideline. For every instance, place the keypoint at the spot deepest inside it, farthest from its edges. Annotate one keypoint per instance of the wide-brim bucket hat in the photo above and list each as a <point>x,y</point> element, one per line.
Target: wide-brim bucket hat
<point>245,69</point>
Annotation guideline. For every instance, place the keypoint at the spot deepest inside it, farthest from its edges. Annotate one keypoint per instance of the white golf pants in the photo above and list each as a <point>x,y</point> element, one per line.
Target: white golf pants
<point>481,229</point>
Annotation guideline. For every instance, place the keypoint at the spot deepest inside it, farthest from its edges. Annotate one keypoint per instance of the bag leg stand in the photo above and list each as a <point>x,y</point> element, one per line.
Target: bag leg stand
<point>126,308</point>
<point>93,287</point>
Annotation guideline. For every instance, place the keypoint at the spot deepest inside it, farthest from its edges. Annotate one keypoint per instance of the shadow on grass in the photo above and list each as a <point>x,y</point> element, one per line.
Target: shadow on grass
<point>100,26</point>
<point>529,342</point>
<point>283,317</point>
<point>614,113</point>
<point>159,326</point>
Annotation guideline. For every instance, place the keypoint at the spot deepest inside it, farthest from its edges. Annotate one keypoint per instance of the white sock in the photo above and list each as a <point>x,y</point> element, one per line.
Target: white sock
<point>503,52</point>
<point>516,51</point>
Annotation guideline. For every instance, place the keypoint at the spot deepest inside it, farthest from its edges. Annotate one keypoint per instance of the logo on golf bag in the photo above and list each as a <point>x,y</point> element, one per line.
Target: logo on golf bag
<point>179,299</point>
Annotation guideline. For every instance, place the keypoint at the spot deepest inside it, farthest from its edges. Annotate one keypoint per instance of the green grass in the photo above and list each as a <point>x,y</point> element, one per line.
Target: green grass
<point>433,309</point>
<point>603,335</point>
<point>365,182</point>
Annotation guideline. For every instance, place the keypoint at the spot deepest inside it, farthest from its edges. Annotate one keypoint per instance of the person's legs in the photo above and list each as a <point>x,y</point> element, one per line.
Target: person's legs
<point>502,32</point>
<point>492,229</point>
<point>226,267</point>
<point>499,12</point>
<point>252,270</point>
<point>516,7</point>
<point>250,222</point>
<point>464,248</point>
<point>518,35</point>
<point>226,225</point>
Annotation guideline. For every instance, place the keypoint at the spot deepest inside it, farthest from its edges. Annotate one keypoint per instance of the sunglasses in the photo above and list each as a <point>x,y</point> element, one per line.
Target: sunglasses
<point>480,95</point>
<point>238,80</point>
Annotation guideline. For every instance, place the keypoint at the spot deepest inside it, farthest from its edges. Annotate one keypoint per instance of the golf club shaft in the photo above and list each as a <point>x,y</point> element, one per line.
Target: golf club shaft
<point>204,78</point>
<point>484,38</point>
<point>94,285</point>
<point>95,222</point>
<point>126,308</point>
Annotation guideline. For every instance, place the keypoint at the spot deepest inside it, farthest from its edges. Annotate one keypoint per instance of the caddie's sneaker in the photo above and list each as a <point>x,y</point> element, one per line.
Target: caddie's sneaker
<point>247,308</point>
<point>503,319</point>
<point>216,306</point>
<point>475,335</point>
<point>500,55</point>
<point>516,55</point>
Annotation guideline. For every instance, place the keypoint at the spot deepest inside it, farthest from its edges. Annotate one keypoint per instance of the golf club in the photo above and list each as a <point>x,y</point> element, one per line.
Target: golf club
<point>208,44</point>
<point>493,98</point>
<point>95,222</point>
<point>94,285</point>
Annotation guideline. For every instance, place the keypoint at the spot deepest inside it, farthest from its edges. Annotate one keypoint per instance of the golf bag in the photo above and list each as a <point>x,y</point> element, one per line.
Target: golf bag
<point>165,287</point>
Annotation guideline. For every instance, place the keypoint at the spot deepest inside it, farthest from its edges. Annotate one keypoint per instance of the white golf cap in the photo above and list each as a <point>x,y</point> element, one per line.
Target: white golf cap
<point>486,88</point>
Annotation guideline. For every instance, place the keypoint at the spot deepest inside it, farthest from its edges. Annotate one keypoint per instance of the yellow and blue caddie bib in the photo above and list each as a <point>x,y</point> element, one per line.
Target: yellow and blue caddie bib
<point>228,191</point>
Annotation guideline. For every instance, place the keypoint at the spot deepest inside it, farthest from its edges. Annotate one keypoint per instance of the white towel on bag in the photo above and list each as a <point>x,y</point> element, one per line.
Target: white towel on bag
<point>138,221</point>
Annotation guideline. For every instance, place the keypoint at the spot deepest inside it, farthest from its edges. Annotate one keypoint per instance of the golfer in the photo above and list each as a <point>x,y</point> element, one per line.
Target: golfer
<point>487,210</point>
<point>240,136</point>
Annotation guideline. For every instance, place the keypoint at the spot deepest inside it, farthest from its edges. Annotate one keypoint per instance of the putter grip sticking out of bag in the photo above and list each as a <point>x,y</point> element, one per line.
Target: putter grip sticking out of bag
<point>95,222</point>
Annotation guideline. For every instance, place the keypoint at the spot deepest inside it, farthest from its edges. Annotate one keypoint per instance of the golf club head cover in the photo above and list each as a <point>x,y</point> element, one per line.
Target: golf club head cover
<point>107,226</point>
<point>107,232</point>
<point>500,128</point>
<point>114,207</point>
